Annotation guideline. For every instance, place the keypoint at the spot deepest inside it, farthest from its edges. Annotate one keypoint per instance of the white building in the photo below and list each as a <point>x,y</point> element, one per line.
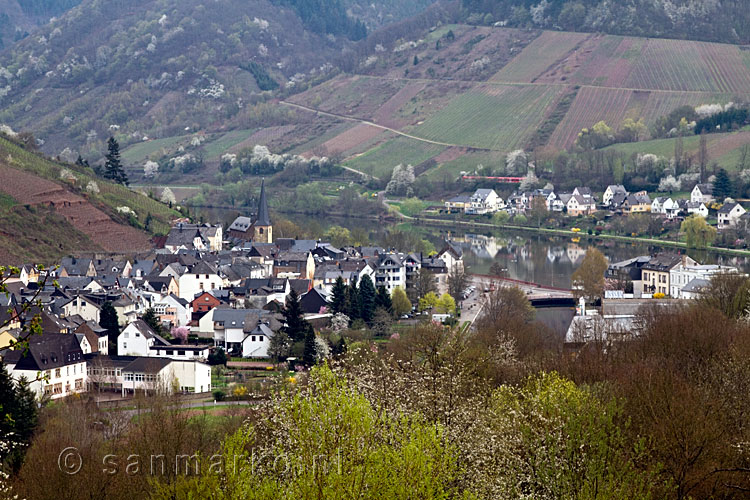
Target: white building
<point>390,272</point>
<point>57,357</point>
<point>682,274</point>
<point>150,374</point>
<point>702,193</point>
<point>697,207</point>
<point>201,277</point>
<point>729,214</point>
<point>484,201</point>
<point>610,193</point>
<point>137,339</point>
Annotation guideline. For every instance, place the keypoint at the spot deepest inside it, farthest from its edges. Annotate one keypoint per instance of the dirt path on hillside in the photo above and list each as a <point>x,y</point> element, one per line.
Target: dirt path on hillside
<point>367,122</point>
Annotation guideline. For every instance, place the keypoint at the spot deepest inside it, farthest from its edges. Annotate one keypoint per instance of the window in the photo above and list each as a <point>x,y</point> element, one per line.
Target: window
<point>170,353</point>
<point>180,353</point>
<point>124,345</point>
<point>128,377</point>
<point>253,338</point>
<point>260,338</point>
<point>57,373</point>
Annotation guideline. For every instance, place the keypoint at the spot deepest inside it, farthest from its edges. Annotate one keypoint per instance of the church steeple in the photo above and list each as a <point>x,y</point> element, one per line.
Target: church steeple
<point>262,225</point>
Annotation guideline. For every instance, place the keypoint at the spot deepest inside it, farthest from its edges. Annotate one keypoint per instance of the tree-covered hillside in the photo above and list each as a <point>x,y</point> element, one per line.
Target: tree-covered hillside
<point>19,17</point>
<point>153,68</point>
<point>712,20</point>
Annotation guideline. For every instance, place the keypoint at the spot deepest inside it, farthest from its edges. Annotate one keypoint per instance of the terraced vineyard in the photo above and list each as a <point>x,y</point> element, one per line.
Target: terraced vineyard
<point>380,160</point>
<point>495,117</point>
<point>539,55</point>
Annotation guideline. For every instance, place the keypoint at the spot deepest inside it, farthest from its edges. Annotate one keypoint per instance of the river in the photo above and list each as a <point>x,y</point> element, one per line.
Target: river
<point>523,255</point>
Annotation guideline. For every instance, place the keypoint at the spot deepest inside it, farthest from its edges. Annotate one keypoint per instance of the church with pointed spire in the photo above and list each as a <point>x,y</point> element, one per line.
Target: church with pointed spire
<point>259,229</point>
<point>262,228</point>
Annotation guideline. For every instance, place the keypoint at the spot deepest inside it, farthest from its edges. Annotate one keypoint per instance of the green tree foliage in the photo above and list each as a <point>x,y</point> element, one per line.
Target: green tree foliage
<point>218,357</point>
<point>308,354</point>
<point>262,78</point>
<point>383,299</point>
<point>400,302</point>
<point>588,279</point>
<point>568,443</point>
<point>722,185</point>
<point>698,234</point>
<point>445,304</point>
<point>724,121</point>
<point>338,236</point>
<point>113,169</point>
<point>327,16</point>
<point>428,301</point>
<point>295,325</point>
<point>279,346</point>
<point>367,295</point>
<point>18,418</point>
<point>109,321</point>
<point>599,136</point>
<point>153,321</point>
<point>338,445</point>
<point>339,297</point>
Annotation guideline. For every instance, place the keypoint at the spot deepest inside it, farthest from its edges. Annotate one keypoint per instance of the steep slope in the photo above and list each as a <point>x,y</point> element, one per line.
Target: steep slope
<point>68,210</point>
<point>482,92</point>
<point>18,18</point>
<point>152,68</point>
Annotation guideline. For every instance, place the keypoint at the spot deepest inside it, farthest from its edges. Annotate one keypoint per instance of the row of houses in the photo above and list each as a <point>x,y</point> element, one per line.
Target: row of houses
<point>673,275</point>
<point>615,198</point>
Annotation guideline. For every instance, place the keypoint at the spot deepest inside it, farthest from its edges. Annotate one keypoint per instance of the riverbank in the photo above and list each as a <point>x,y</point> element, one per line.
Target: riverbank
<point>430,221</point>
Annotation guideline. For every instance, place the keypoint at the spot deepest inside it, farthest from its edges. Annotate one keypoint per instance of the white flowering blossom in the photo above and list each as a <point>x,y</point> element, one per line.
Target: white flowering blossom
<point>478,65</point>
<point>339,322</point>
<point>113,128</point>
<point>646,161</point>
<point>91,135</point>
<point>92,187</point>
<point>669,183</point>
<point>262,50</point>
<point>5,129</point>
<point>67,120</point>
<point>370,61</point>
<point>162,20</point>
<point>150,168</point>
<point>197,140</point>
<point>68,155</point>
<point>688,179</point>
<point>67,175</point>
<point>167,196</point>
<point>408,45</point>
<point>379,48</point>
<point>322,349</point>
<point>126,211</point>
<point>529,181</point>
<point>261,23</point>
<point>402,180</point>
<point>745,175</point>
<point>214,90</point>
<point>706,110</point>
<point>517,161</point>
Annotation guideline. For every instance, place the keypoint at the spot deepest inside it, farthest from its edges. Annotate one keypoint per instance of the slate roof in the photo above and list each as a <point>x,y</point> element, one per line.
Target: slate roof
<point>242,224</point>
<point>263,218</point>
<point>46,352</point>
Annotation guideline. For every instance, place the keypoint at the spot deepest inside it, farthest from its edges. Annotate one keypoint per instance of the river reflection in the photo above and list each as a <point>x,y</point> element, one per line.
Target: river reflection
<point>527,256</point>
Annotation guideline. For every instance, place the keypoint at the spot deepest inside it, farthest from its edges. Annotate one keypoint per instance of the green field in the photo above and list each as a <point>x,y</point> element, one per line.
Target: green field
<point>380,160</point>
<point>217,147</point>
<point>496,117</point>
<point>466,163</point>
<point>138,153</point>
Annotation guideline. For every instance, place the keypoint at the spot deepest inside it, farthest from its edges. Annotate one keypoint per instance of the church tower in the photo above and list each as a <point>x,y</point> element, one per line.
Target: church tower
<point>262,229</point>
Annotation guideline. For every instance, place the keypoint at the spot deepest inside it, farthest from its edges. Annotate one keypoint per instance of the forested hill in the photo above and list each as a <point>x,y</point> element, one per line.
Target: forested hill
<point>19,17</point>
<point>709,20</point>
<point>156,67</point>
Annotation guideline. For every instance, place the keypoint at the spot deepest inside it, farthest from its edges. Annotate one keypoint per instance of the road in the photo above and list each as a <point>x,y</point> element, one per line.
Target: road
<point>382,127</point>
